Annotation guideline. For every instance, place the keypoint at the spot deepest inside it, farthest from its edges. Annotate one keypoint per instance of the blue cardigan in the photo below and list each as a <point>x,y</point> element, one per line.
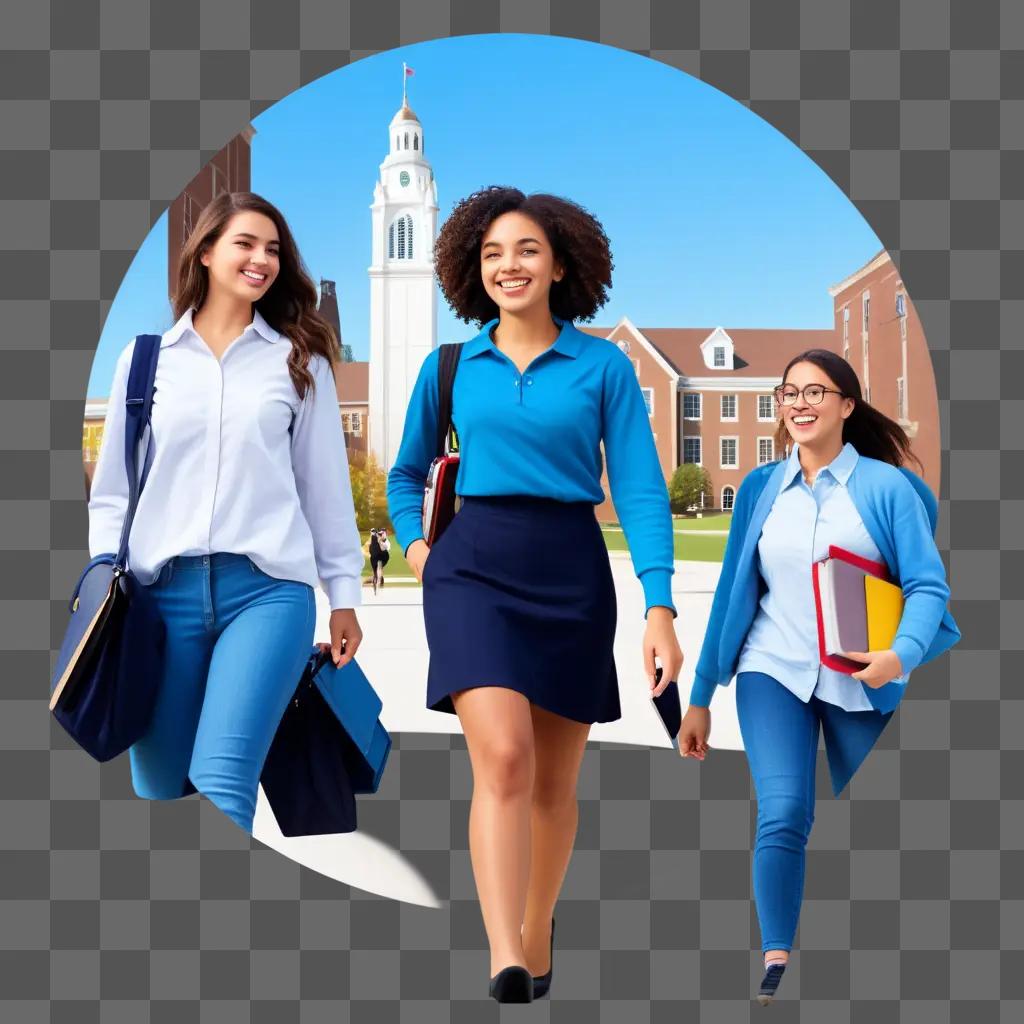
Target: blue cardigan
<point>899,512</point>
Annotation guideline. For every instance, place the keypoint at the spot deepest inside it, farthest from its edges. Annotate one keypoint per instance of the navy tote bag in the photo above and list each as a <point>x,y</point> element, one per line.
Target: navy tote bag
<point>107,673</point>
<point>329,747</point>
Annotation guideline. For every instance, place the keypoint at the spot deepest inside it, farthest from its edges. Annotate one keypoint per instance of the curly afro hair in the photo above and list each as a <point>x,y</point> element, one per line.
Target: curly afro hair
<point>576,236</point>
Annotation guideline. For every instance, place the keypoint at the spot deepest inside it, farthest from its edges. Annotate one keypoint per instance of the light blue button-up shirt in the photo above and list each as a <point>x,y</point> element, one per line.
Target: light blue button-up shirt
<point>540,433</point>
<point>803,522</point>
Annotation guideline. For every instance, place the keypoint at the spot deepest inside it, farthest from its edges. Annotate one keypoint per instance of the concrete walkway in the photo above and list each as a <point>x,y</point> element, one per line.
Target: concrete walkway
<point>394,657</point>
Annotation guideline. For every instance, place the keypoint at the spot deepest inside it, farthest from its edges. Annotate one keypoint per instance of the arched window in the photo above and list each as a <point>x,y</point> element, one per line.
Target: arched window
<point>415,142</point>
<point>398,142</point>
<point>728,494</point>
<point>400,238</point>
<point>406,140</point>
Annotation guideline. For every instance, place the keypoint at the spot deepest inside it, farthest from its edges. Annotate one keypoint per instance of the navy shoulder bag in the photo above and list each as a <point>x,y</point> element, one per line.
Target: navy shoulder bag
<point>104,684</point>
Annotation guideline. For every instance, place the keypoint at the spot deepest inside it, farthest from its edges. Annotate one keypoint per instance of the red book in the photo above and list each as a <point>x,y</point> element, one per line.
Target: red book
<point>865,565</point>
<point>439,501</point>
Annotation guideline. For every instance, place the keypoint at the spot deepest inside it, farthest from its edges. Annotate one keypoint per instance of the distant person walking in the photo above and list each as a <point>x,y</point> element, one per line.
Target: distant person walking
<point>380,555</point>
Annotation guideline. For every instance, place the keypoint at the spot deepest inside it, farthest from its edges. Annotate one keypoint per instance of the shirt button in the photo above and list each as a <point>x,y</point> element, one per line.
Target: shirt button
<point>515,383</point>
<point>529,380</point>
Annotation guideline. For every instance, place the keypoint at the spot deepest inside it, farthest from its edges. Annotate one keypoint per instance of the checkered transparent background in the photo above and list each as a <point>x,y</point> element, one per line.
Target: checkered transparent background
<point>114,909</point>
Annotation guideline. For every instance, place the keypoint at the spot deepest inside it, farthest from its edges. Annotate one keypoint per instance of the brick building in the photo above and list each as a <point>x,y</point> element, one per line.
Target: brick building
<point>880,333</point>
<point>230,170</point>
<point>709,395</point>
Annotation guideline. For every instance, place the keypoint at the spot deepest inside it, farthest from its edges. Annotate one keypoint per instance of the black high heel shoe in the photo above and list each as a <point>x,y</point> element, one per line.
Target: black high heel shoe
<point>512,985</point>
<point>542,982</point>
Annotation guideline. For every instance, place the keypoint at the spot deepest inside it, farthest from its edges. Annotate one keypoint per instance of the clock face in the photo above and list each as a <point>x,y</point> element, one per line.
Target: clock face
<point>403,178</point>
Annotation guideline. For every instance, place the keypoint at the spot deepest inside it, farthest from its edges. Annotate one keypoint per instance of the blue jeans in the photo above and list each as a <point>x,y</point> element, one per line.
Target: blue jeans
<point>780,736</point>
<point>237,642</point>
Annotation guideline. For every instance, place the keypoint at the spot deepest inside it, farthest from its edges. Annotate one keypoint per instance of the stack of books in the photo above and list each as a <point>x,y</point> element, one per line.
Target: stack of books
<point>858,608</point>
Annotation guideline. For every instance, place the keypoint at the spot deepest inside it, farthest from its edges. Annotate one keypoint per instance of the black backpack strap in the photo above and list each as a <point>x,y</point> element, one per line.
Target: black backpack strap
<point>138,407</point>
<point>447,365</point>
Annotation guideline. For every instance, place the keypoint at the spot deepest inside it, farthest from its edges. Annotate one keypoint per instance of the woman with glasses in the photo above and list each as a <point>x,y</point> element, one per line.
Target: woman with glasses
<point>843,483</point>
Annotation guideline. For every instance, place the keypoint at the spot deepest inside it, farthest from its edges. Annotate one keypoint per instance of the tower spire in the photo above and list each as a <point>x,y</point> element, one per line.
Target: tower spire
<point>407,73</point>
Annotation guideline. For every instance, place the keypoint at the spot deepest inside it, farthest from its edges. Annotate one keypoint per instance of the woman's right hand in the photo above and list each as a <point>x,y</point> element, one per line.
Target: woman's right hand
<point>417,556</point>
<point>694,732</point>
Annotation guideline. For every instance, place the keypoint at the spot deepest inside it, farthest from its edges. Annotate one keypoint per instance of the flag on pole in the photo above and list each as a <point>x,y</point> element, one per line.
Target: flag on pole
<point>409,72</point>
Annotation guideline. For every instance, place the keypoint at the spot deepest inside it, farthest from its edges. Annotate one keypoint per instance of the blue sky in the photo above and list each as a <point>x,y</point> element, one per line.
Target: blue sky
<point>714,216</point>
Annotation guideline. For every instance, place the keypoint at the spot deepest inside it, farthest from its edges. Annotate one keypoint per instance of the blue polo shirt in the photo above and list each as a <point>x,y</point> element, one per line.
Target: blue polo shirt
<point>540,434</point>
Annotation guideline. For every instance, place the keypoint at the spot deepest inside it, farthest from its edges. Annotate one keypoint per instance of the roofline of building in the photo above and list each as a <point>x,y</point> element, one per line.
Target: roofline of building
<point>873,264</point>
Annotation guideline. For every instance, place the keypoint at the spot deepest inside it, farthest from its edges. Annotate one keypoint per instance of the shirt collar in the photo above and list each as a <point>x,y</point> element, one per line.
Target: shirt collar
<point>259,325</point>
<point>840,467</point>
<point>568,343</point>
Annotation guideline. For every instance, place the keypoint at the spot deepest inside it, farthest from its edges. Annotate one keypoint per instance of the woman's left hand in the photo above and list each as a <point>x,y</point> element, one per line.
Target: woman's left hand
<point>346,636</point>
<point>660,642</point>
<point>881,668</point>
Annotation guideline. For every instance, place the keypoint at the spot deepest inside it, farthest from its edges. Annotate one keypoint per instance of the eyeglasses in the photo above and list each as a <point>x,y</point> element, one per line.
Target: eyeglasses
<point>814,394</point>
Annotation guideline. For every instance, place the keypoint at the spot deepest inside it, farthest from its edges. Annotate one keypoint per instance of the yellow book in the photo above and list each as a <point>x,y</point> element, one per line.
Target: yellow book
<point>885,609</point>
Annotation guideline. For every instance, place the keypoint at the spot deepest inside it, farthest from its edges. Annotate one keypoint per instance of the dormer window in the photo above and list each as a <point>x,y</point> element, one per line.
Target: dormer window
<point>717,350</point>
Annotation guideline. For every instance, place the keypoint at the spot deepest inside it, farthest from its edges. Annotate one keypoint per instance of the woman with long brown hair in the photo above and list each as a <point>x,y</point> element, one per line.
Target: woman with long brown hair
<point>843,483</point>
<point>246,505</point>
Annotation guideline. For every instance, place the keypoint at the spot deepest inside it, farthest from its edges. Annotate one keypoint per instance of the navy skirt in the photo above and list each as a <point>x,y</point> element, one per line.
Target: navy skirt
<point>518,593</point>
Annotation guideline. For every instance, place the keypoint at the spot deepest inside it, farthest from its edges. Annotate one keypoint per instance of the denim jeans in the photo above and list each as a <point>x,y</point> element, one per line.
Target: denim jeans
<point>780,736</point>
<point>237,642</point>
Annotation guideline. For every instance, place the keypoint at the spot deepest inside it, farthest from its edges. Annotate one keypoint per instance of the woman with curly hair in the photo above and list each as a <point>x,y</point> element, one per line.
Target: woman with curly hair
<point>520,643</point>
<point>247,504</point>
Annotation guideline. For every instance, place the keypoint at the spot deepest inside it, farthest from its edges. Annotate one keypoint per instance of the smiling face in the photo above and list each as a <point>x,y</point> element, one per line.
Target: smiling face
<point>246,258</point>
<point>815,426</point>
<point>517,263</point>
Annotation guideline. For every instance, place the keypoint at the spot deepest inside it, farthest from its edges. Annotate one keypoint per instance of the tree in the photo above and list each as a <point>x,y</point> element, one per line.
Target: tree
<point>369,492</point>
<point>689,482</point>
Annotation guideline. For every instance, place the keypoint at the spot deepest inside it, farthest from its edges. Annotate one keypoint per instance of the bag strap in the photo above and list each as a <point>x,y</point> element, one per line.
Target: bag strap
<point>138,407</point>
<point>447,365</point>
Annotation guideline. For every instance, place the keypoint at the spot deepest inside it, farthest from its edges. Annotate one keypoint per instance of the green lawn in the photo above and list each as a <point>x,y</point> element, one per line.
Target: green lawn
<point>714,521</point>
<point>688,547</point>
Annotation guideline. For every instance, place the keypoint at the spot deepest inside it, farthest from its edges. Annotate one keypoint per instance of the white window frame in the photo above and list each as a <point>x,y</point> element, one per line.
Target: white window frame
<point>649,394</point>
<point>732,490</point>
<point>357,424</point>
<point>714,357</point>
<point>700,405</point>
<point>771,457</point>
<point>735,408</point>
<point>700,451</point>
<point>770,418</point>
<point>723,465</point>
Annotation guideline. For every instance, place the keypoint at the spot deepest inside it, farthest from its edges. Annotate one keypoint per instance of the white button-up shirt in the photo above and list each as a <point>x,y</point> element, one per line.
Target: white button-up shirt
<point>803,522</point>
<point>226,474</point>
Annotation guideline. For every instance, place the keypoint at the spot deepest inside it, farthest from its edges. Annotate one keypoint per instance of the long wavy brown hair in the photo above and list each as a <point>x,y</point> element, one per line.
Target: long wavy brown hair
<point>289,305</point>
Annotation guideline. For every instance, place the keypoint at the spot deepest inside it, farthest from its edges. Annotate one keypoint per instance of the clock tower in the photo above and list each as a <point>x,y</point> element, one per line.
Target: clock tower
<point>403,300</point>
